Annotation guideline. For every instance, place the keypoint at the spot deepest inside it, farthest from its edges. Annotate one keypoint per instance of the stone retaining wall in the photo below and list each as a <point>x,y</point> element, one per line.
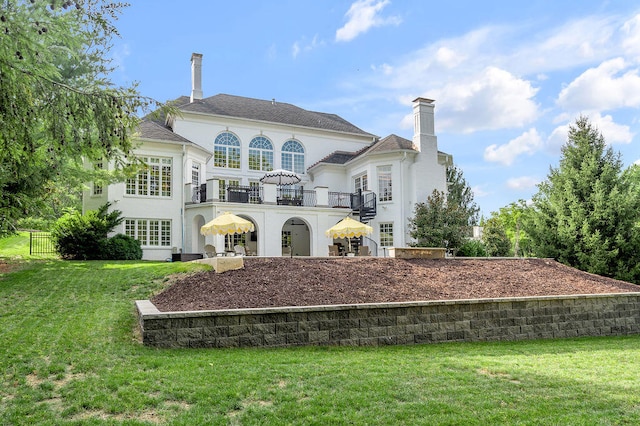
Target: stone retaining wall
<point>417,252</point>
<point>394,323</point>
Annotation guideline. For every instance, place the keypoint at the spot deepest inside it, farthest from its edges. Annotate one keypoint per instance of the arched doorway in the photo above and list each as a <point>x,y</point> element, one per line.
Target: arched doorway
<point>197,239</point>
<point>248,240</point>
<point>296,238</point>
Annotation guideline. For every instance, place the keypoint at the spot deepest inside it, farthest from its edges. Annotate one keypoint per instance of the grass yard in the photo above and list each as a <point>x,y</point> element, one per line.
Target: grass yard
<point>69,356</point>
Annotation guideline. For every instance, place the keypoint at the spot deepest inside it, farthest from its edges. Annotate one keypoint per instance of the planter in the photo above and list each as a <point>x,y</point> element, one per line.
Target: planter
<point>185,257</point>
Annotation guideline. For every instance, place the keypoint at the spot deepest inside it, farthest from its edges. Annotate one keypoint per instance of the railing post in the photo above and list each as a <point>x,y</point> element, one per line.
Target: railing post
<point>322,196</point>
<point>270,193</point>
<point>188,194</point>
<point>213,190</point>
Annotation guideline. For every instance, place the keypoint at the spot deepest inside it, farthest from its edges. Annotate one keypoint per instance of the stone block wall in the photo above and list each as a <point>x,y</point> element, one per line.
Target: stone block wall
<point>417,252</point>
<point>394,323</point>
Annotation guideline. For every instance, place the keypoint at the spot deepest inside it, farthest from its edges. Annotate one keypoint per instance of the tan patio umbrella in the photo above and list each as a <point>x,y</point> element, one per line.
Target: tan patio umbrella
<point>227,224</point>
<point>348,228</point>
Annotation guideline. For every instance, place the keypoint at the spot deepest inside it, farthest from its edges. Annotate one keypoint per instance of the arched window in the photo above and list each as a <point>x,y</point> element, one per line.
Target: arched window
<point>226,151</point>
<point>293,156</point>
<point>260,154</point>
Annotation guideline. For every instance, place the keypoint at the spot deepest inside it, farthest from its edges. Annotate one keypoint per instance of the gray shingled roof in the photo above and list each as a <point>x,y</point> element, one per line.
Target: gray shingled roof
<point>151,129</point>
<point>269,111</point>
<point>391,143</point>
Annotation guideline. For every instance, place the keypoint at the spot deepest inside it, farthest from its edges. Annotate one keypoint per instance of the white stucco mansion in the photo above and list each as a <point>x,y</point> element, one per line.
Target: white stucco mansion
<point>209,159</point>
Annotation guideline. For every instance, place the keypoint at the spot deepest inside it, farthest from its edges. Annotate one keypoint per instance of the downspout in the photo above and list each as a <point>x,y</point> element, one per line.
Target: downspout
<point>402,207</point>
<point>182,225</point>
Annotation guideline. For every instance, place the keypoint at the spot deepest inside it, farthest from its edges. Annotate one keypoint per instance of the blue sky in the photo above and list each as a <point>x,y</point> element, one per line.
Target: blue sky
<point>508,77</point>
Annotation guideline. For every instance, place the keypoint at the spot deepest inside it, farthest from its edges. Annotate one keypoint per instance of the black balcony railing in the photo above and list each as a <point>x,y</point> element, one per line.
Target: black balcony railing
<point>364,203</point>
<point>296,197</point>
<point>199,194</point>
<point>244,194</point>
<point>340,199</point>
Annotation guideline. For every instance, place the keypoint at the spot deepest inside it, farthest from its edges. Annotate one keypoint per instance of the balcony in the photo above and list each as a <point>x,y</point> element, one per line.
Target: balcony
<point>283,196</point>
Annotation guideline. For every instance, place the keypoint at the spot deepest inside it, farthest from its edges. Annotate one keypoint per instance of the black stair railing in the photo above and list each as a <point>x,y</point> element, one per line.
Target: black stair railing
<point>365,204</point>
<point>373,246</point>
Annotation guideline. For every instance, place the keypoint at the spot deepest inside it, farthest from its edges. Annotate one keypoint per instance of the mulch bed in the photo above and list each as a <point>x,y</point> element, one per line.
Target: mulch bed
<point>281,281</point>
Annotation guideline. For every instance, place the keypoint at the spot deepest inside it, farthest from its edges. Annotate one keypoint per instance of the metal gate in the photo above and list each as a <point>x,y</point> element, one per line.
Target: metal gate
<point>40,243</point>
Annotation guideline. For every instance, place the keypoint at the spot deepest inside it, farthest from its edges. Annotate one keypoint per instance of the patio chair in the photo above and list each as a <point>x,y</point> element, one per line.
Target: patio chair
<point>210,251</point>
<point>334,250</point>
<point>240,251</point>
<point>364,251</point>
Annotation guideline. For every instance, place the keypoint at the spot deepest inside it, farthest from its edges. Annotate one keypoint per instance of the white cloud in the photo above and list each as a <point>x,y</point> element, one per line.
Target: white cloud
<point>363,15</point>
<point>494,99</point>
<point>610,85</point>
<point>478,192</point>
<point>637,162</point>
<point>120,54</point>
<point>300,46</point>
<point>612,132</point>
<point>527,143</point>
<point>631,32</point>
<point>557,139</point>
<point>522,183</point>
<point>448,57</point>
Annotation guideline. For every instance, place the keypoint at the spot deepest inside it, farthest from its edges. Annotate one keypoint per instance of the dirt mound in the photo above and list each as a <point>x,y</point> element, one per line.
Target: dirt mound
<point>281,281</point>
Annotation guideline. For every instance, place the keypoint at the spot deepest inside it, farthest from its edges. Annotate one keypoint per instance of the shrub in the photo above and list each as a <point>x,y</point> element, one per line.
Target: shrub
<point>84,237</point>
<point>472,248</point>
<point>121,247</point>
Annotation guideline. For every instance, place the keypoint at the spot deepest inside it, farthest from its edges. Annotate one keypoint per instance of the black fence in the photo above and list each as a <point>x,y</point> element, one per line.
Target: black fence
<point>40,243</point>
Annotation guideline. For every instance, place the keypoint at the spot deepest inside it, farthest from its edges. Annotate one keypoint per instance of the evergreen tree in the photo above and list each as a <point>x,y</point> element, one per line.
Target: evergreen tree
<point>57,104</point>
<point>459,194</point>
<point>495,239</point>
<point>586,214</point>
<point>445,220</point>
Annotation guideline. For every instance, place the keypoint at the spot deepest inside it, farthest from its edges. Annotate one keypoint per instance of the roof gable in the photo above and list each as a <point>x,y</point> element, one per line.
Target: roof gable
<point>153,130</point>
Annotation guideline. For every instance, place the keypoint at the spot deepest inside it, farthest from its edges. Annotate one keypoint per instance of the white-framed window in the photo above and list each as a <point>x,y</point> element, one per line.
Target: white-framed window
<point>195,174</point>
<point>385,187</point>
<point>223,184</point>
<point>154,180</point>
<point>261,154</point>
<point>97,187</point>
<point>226,151</point>
<point>254,192</point>
<point>293,156</point>
<point>150,232</point>
<point>361,183</point>
<point>386,234</point>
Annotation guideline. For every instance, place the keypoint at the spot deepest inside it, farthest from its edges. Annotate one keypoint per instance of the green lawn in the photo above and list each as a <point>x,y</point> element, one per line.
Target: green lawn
<point>69,355</point>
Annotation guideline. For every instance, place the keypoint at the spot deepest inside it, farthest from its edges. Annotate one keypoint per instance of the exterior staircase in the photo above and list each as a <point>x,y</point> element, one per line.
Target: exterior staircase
<point>364,204</point>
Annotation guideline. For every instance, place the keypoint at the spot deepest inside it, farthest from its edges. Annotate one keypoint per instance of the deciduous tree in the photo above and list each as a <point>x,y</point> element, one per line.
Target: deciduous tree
<point>445,219</point>
<point>57,103</point>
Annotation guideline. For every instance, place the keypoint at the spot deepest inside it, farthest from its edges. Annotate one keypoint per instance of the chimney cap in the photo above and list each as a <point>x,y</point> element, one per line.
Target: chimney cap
<point>196,55</point>
<point>425,100</point>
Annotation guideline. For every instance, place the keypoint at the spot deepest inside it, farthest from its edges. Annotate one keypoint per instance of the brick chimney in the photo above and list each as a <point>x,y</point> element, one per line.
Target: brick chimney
<point>196,76</point>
